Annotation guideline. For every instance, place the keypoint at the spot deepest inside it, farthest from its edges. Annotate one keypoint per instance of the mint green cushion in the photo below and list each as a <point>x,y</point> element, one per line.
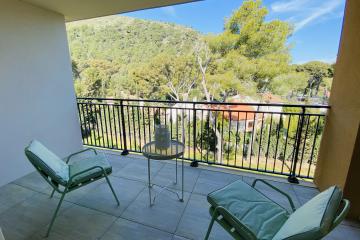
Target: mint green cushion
<point>314,219</point>
<point>262,217</point>
<point>78,166</point>
<point>46,161</point>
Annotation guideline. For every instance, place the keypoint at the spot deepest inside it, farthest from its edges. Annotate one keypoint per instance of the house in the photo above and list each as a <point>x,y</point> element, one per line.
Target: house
<point>240,115</point>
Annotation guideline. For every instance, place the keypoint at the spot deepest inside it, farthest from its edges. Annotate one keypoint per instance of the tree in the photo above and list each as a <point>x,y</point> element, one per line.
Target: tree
<point>121,85</point>
<point>75,69</point>
<point>207,137</point>
<point>167,76</point>
<point>255,37</point>
<point>317,71</point>
<point>204,59</point>
<point>244,58</point>
<point>259,44</point>
<point>289,84</point>
<point>94,79</point>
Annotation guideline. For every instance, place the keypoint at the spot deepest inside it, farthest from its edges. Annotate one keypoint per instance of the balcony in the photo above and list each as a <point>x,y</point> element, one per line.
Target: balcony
<point>92,213</point>
<point>280,145</point>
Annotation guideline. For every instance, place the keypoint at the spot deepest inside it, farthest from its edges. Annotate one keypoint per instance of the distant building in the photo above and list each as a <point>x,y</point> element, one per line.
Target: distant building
<point>239,115</point>
<point>271,99</point>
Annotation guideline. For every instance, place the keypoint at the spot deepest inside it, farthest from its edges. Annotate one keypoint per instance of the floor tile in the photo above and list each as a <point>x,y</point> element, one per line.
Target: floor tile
<point>351,223</point>
<point>35,182</point>
<point>342,232</point>
<point>209,181</point>
<point>138,170</point>
<point>75,195</point>
<point>167,176</point>
<point>11,194</point>
<point>164,214</point>
<point>175,237</point>
<point>118,162</point>
<point>304,194</point>
<point>79,223</point>
<point>196,218</point>
<point>123,229</point>
<point>102,199</point>
<point>26,218</point>
<point>53,236</point>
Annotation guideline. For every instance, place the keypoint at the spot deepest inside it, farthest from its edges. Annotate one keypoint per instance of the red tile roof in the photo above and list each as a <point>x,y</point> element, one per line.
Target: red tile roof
<point>238,112</point>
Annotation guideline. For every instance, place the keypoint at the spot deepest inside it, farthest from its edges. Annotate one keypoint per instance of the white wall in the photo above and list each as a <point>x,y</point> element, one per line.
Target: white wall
<point>37,99</point>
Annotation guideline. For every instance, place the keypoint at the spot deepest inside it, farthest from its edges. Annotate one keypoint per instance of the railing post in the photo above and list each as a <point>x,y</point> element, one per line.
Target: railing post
<point>194,163</point>
<point>125,150</point>
<point>292,178</point>
<point>81,123</point>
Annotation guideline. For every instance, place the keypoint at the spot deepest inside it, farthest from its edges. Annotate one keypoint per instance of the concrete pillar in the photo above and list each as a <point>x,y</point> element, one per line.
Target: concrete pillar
<point>339,156</point>
<point>37,97</point>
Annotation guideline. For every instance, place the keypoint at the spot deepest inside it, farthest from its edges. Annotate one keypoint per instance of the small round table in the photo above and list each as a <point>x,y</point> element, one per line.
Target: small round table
<point>174,151</point>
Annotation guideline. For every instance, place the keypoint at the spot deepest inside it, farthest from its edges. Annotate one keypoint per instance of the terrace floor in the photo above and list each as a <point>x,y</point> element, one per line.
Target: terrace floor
<point>91,211</point>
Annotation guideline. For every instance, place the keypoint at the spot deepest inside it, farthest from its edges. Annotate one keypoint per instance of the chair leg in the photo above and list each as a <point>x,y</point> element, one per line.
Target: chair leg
<point>52,193</point>
<point>210,226</point>
<point>55,213</point>
<point>112,190</point>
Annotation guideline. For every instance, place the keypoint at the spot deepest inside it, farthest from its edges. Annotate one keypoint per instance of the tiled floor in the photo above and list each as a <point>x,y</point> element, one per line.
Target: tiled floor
<point>92,213</point>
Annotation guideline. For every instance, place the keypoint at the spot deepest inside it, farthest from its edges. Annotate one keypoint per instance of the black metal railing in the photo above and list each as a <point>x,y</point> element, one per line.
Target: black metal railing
<point>274,138</point>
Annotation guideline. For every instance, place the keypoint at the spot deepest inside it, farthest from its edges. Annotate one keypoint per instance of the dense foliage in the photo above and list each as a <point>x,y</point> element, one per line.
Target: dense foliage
<point>106,52</point>
<point>125,57</point>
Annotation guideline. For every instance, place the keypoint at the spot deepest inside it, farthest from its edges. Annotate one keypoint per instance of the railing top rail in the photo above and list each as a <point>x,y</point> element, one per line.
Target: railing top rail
<point>208,109</point>
<point>207,103</point>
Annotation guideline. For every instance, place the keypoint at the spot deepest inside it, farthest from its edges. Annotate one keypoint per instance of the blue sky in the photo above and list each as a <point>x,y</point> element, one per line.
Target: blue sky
<point>317,23</point>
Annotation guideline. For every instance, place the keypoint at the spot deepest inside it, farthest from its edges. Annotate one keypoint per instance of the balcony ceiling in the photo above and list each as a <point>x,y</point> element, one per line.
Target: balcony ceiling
<point>83,9</point>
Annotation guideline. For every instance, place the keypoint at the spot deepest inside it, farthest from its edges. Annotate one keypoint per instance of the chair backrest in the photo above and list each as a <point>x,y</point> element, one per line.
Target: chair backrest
<point>47,162</point>
<point>316,218</point>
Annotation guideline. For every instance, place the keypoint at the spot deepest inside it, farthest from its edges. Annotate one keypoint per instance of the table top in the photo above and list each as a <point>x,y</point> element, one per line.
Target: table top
<point>175,150</point>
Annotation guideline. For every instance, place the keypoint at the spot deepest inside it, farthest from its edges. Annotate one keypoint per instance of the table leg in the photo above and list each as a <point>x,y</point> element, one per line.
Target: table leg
<point>176,170</point>
<point>149,181</point>
<point>182,179</point>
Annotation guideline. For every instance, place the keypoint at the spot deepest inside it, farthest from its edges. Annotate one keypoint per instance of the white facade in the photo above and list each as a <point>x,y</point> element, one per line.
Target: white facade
<point>240,125</point>
<point>37,98</point>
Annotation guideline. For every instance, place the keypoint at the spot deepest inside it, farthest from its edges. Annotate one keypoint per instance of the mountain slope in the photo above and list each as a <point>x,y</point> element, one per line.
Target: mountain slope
<point>127,40</point>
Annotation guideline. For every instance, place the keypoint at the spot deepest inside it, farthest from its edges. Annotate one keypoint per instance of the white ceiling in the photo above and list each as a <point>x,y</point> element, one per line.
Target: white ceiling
<point>83,9</point>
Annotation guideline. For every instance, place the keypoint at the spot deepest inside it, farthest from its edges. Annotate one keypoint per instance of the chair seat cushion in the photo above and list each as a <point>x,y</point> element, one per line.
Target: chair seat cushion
<point>313,220</point>
<point>79,166</point>
<point>259,214</point>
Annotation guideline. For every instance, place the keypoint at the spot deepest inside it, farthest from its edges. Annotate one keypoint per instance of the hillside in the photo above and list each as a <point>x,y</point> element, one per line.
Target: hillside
<point>120,56</point>
<point>127,40</point>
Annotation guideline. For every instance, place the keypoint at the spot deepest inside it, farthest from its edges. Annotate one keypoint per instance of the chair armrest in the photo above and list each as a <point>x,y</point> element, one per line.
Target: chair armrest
<point>276,189</point>
<point>76,153</point>
<point>342,214</point>
<point>86,170</point>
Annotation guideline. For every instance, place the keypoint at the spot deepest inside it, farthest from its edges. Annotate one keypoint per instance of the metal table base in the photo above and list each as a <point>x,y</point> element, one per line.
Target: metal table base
<point>163,188</point>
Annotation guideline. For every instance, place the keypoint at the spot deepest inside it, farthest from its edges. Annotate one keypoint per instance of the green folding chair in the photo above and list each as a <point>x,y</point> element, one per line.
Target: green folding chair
<point>247,214</point>
<point>65,177</point>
